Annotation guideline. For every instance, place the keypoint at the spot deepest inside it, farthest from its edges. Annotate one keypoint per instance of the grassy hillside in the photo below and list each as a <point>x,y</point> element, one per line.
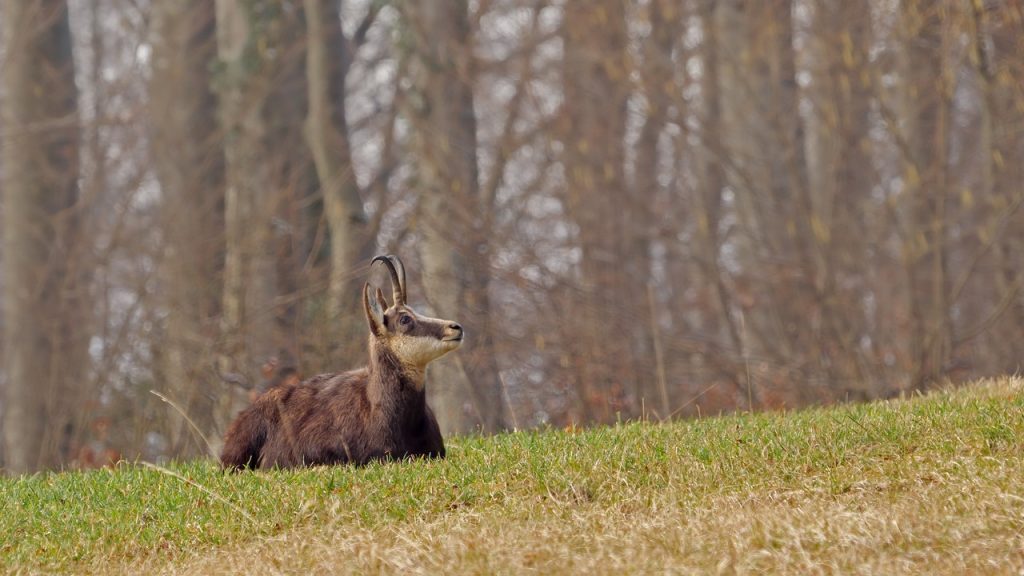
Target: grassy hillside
<point>934,484</point>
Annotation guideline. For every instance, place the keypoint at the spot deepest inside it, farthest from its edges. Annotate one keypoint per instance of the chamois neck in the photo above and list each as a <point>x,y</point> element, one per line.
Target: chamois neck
<point>390,381</point>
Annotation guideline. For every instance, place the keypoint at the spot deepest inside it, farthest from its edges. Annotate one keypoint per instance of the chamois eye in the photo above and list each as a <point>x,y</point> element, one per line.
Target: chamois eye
<point>405,320</point>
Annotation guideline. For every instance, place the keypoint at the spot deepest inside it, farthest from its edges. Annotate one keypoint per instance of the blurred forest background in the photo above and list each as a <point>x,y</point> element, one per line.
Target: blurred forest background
<point>655,209</point>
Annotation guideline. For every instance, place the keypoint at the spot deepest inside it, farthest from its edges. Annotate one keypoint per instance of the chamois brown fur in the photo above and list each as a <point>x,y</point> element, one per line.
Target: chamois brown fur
<point>373,413</point>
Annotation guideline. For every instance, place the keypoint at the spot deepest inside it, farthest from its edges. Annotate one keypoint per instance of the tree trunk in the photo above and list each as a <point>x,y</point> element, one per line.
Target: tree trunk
<point>293,184</point>
<point>327,137</point>
<point>657,73</point>
<point>763,151</point>
<point>1000,61</point>
<point>843,179</point>
<point>466,390</point>
<point>596,88</point>
<point>719,320</point>
<point>928,101</point>
<point>45,321</point>
<point>250,278</point>
<point>189,165</point>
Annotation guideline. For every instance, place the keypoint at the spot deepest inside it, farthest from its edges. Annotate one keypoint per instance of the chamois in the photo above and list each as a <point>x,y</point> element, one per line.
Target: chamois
<point>374,413</point>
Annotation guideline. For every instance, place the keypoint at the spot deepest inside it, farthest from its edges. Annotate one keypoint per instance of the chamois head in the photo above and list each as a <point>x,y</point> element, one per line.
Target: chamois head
<point>415,340</point>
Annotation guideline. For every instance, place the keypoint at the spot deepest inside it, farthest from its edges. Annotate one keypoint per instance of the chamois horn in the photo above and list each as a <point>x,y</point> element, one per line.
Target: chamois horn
<point>397,278</point>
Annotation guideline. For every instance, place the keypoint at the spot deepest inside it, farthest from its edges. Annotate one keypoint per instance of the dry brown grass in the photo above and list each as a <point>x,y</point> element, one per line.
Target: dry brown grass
<point>926,527</point>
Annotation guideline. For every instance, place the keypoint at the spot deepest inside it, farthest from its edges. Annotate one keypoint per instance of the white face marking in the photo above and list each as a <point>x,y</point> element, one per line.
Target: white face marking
<point>418,351</point>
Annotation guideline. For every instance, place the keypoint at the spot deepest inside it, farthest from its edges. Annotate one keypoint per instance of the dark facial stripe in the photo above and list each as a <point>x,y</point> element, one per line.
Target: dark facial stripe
<point>420,326</point>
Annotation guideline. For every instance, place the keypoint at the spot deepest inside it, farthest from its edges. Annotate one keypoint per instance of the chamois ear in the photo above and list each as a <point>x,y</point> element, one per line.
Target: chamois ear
<point>374,312</point>
<point>380,298</point>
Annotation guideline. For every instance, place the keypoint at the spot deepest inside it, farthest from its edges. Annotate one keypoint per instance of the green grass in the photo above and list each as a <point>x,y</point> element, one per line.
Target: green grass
<point>931,484</point>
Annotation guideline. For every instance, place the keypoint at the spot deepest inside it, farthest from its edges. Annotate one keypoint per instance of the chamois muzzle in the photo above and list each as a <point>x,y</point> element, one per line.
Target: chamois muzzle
<point>454,333</point>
